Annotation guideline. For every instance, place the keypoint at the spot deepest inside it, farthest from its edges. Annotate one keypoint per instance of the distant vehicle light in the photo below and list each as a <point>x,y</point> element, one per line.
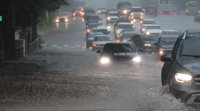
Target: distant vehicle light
<point>143,29</point>
<point>148,33</point>
<point>88,30</point>
<point>134,20</point>
<point>161,12</point>
<point>125,11</point>
<point>108,18</point>
<point>118,31</point>
<point>147,44</point>
<point>141,13</point>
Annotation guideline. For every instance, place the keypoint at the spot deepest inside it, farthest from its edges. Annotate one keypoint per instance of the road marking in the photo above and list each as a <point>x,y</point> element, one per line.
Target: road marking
<point>78,45</point>
<point>66,45</point>
<point>54,45</point>
<point>59,47</point>
<point>72,47</point>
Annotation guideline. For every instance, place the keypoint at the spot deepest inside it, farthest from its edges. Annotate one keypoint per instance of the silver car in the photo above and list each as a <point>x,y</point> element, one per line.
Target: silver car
<point>99,42</point>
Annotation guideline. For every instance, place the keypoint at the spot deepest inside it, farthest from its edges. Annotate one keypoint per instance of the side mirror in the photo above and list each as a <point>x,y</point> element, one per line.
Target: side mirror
<point>166,58</point>
<point>99,51</point>
<point>109,32</point>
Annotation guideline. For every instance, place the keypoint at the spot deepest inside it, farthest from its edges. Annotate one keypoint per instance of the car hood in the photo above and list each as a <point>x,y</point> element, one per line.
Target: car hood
<point>154,30</point>
<point>125,55</point>
<point>167,47</point>
<point>193,65</point>
<point>101,42</point>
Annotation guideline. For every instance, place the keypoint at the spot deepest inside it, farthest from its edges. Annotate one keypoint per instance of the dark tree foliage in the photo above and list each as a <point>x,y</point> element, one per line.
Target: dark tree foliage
<point>24,13</point>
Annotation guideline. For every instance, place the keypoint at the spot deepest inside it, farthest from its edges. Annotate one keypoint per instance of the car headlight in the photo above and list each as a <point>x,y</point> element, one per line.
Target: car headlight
<point>99,11</point>
<point>180,77</point>
<point>94,45</point>
<point>125,11</point>
<point>148,33</point>
<point>134,20</point>
<point>143,29</point>
<point>104,60</point>
<point>137,59</point>
<point>108,27</point>
<point>131,13</point>
<point>108,18</point>
<point>88,30</point>
<point>147,44</point>
<point>141,22</point>
<point>118,31</point>
<point>57,20</point>
<point>141,13</point>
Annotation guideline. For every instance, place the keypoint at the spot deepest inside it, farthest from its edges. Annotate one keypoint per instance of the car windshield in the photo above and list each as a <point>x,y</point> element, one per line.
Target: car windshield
<point>93,21</point>
<point>102,38</point>
<point>193,5</point>
<point>121,26</point>
<point>153,27</point>
<point>62,14</point>
<point>123,20</point>
<point>104,31</point>
<point>128,35</point>
<point>112,14</point>
<point>120,48</point>
<point>90,11</point>
<point>189,45</point>
<point>150,38</point>
<point>93,25</point>
<point>171,33</point>
<point>149,22</point>
<point>136,10</point>
<point>168,40</point>
<point>131,30</point>
<point>93,17</point>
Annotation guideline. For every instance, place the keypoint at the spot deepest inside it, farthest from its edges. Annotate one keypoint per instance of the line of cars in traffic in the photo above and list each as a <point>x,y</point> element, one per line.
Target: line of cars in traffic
<point>179,51</point>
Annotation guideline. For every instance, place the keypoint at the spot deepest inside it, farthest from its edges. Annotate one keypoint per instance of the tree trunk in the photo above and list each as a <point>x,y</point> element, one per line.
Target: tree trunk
<point>7,28</point>
<point>34,32</point>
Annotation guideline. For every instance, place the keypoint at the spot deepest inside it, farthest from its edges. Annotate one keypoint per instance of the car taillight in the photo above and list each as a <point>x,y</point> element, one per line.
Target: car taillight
<point>199,11</point>
<point>186,10</point>
<point>161,12</point>
<point>57,18</point>
<point>170,12</point>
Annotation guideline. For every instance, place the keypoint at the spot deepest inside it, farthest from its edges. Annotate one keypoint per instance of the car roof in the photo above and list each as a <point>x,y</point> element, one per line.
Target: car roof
<point>112,12</point>
<point>153,25</point>
<point>136,7</point>
<point>172,36</point>
<point>119,42</point>
<point>148,20</point>
<point>123,23</point>
<point>101,27</point>
<point>192,31</point>
<point>93,14</point>
<point>170,30</point>
<point>101,35</point>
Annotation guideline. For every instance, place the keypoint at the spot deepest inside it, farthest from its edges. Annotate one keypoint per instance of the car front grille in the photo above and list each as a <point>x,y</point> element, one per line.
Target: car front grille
<point>197,79</point>
<point>157,34</point>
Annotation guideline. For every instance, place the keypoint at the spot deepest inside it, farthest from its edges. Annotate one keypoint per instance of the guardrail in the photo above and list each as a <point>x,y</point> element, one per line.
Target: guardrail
<point>34,46</point>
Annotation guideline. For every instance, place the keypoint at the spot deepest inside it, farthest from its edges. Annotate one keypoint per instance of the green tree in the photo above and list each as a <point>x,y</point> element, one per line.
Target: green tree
<point>24,13</point>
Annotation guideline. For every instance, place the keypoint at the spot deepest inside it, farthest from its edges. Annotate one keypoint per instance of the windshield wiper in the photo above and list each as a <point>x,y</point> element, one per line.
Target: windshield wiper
<point>196,56</point>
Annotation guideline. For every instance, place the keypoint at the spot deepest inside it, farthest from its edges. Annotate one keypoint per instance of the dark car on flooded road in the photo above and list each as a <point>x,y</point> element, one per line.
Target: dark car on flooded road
<point>145,42</point>
<point>181,69</point>
<point>120,52</point>
<point>165,44</point>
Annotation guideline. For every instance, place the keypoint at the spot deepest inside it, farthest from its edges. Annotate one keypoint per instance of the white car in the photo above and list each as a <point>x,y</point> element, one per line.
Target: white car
<point>120,27</point>
<point>111,17</point>
<point>170,32</point>
<point>99,41</point>
<point>153,29</point>
<point>101,10</point>
<point>102,29</point>
<point>62,17</point>
<point>146,22</point>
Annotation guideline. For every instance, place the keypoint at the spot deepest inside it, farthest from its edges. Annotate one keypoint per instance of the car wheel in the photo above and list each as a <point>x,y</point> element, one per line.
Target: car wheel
<point>163,79</point>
